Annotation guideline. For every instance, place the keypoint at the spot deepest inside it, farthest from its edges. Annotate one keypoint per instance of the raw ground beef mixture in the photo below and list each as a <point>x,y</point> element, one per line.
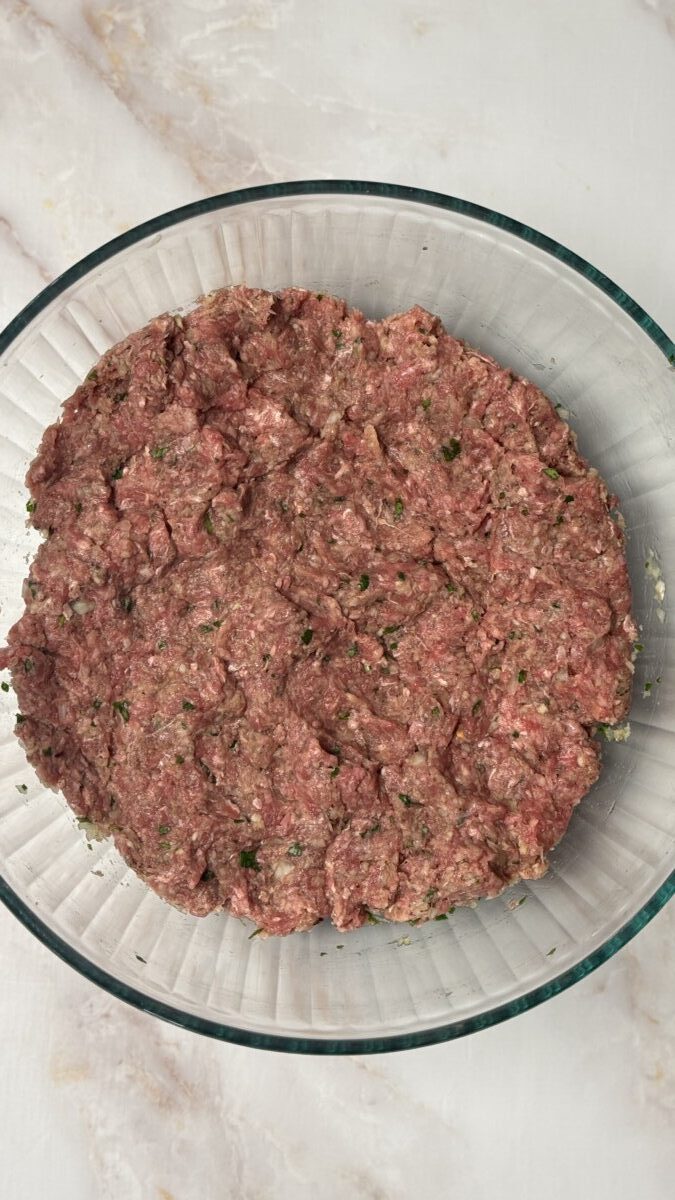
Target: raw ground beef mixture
<point>325,614</point>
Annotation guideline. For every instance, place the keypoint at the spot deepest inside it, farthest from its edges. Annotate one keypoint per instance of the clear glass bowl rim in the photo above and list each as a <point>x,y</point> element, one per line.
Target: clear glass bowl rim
<point>455,1029</point>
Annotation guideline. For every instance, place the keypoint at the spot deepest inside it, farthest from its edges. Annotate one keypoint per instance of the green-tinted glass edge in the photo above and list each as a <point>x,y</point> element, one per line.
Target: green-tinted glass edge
<point>455,1029</point>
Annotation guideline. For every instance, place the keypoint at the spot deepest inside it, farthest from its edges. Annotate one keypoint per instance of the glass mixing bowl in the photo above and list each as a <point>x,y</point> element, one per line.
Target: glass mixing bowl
<point>544,313</point>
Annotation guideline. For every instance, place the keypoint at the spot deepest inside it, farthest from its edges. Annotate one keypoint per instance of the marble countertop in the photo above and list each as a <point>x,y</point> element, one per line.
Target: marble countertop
<point>559,114</point>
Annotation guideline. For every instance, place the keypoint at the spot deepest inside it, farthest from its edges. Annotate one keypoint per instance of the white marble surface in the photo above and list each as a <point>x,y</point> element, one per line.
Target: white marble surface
<point>560,113</point>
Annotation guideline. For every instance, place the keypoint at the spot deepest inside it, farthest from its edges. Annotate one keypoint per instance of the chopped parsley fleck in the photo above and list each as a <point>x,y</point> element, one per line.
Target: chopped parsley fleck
<point>126,603</point>
<point>32,588</point>
<point>521,901</point>
<point>352,651</point>
<point>475,615</point>
<point>339,338</point>
<point>398,508</point>
<point>22,787</point>
<point>364,582</point>
<point>452,449</point>
<point>120,397</point>
<point>516,733</point>
<point>476,708</point>
<point>31,506</point>
<point>118,472</point>
<point>78,507</point>
<point>522,676</point>
<point>4,686</point>
<point>559,519</point>
<point>161,645</point>
<point>390,629</point>
<point>96,703</point>
<point>435,712</point>
<point>441,917</point>
<point>569,499</point>
<point>426,403</point>
<point>187,706</point>
<point>334,772</point>
<point>180,760</point>
<point>208,523</point>
<point>450,588</point>
<point>122,707</point>
<point>163,829</point>
<point>638,647</point>
<point>28,665</point>
<point>551,951</point>
<point>551,472</point>
<point>431,895</point>
<point>19,718</point>
<point>92,376</point>
<point>248,859</point>
<point>407,801</point>
<point>400,575</point>
<point>158,451</point>
<point>210,626</point>
<point>372,829</point>
<point>295,850</point>
<point>647,687</point>
<point>344,715</point>
<point>306,636</point>
<point>47,752</point>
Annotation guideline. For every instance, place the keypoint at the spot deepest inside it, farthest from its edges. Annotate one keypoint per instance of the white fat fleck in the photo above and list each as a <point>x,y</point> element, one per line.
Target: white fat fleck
<point>620,733</point>
<point>541,708</point>
<point>661,614</point>
<point>659,590</point>
<point>563,413</point>
<point>533,572</point>
<point>282,869</point>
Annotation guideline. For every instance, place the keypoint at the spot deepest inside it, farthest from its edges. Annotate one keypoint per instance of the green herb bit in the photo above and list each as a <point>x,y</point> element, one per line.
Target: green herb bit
<point>441,917</point>
<point>450,588</point>
<point>295,850</point>
<point>352,651</point>
<point>452,449</point>
<point>407,801</point>
<point>22,787</point>
<point>400,575</point>
<point>398,508</point>
<point>118,472</point>
<point>373,829</point>
<point>164,845</point>
<point>187,706</point>
<point>647,688</point>
<point>569,499</point>
<point>122,707</point>
<point>208,523</point>
<point>334,772</point>
<point>31,506</point>
<point>48,752</point>
<point>306,636</point>
<point>161,645</point>
<point>476,707</point>
<point>96,703</point>
<point>364,582</point>
<point>32,588</point>
<point>475,615</point>
<point>431,895</point>
<point>522,676</point>
<point>248,860</point>
<point>180,760</point>
<point>426,403</point>
<point>638,647</point>
<point>209,627</point>
<point>4,686</point>
<point>92,376</point>
<point>126,603</point>
<point>158,452</point>
<point>28,665</point>
<point>551,472</point>
<point>436,712</point>
<point>515,733</point>
<point>19,718</point>
<point>551,951</point>
<point>78,507</point>
<point>256,933</point>
<point>163,829</point>
<point>339,338</point>
<point>344,715</point>
<point>559,519</point>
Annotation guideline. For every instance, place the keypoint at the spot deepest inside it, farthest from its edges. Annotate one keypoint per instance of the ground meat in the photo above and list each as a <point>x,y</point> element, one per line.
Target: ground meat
<point>325,613</point>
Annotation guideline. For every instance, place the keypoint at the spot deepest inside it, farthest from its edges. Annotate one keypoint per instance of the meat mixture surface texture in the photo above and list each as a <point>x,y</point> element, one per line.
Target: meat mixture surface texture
<point>325,615</point>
